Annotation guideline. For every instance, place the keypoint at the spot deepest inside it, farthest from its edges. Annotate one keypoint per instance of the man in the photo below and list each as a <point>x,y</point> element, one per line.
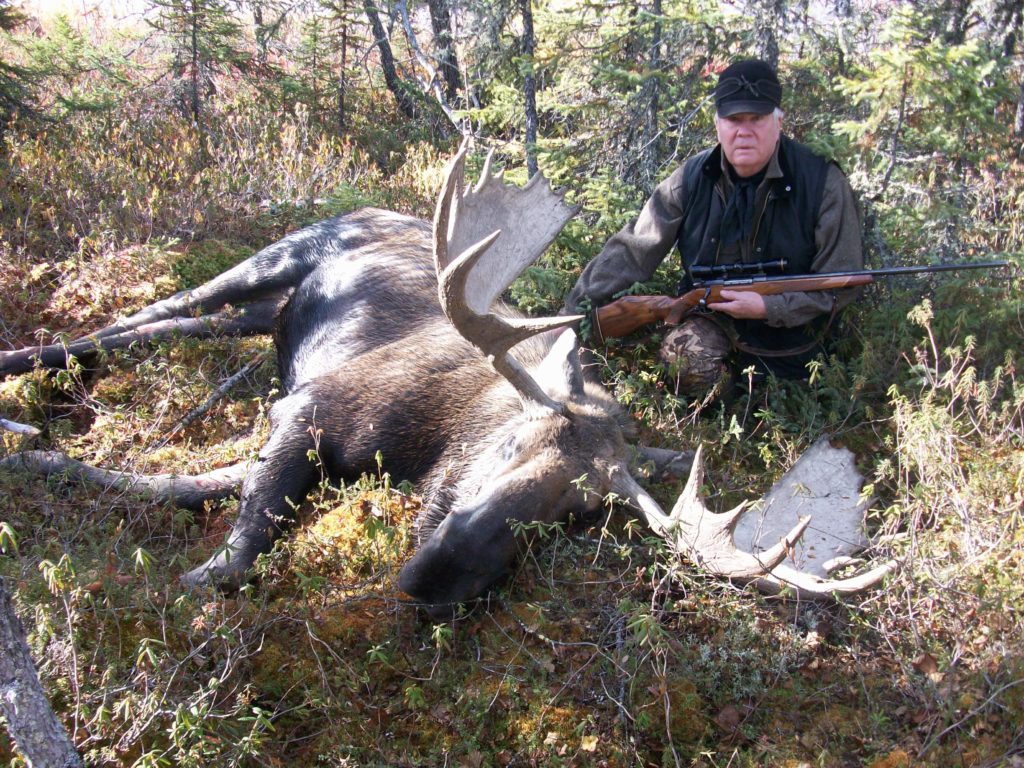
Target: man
<point>760,199</point>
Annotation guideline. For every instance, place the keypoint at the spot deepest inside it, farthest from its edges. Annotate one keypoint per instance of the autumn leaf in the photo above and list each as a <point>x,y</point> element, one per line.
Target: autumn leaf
<point>729,718</point>
<point>925,664</point>
<point>928,666</point>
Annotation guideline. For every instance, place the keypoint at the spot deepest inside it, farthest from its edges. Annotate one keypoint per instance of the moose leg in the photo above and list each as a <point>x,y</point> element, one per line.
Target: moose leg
<point>271,273</point>
<point>276,484</point>
<point>189,491</point>
<point>258,288</point>
<point>253,319</point>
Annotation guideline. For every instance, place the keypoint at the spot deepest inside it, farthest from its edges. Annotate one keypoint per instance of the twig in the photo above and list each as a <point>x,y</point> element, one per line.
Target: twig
<point>973,713</point>
<point>216,395</point>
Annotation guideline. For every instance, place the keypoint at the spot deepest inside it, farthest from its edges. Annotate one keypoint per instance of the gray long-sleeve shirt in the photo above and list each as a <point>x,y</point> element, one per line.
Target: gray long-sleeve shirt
<point>634,253</point>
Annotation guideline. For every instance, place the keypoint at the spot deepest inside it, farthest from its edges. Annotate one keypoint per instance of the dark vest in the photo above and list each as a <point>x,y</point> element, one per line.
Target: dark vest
<point>785,230</point>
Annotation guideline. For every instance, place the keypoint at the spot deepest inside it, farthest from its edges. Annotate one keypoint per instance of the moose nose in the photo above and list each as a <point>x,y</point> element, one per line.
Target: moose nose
<point>464,557</point>
<point>440,579</point>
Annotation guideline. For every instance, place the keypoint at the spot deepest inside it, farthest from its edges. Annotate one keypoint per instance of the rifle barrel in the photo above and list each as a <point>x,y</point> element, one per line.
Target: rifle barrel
<point>885,272</point>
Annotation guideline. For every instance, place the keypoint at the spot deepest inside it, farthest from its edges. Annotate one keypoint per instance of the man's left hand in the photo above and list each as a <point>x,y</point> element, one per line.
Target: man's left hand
<point>743,305</point>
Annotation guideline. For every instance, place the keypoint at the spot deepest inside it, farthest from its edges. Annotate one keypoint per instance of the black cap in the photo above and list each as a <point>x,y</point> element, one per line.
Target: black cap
<point>750,85</point>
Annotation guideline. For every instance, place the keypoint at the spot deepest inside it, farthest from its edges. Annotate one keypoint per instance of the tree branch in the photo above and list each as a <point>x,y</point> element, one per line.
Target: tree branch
<point>433,84</point>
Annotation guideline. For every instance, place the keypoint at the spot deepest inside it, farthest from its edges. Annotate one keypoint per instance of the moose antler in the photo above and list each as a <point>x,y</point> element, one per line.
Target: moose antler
<point>708,539</point>
<point>497,230</point>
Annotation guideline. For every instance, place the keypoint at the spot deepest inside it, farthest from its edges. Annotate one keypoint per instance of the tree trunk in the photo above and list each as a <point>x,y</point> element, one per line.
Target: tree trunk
<point>529,88</point>
<point>39,736</point>
<point>340,14</point>
<point>1008,18</point>
<point>1018,120</point>
<point>649,154</point>
<point>431,83</point>
<point>957,21</point>
<point>342,73</point>
<point>387,63</point>
<point>768,18</point>
<point>260,31</point>
<point>194,49</point>
<point>444,44</point>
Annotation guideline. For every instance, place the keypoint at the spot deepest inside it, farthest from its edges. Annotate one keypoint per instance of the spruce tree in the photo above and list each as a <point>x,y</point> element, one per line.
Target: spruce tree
<point>15,81</point>
<point>205,39</point>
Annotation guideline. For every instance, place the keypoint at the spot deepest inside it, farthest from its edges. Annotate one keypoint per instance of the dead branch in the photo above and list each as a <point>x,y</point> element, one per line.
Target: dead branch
<point>433,81</point>
<point>217,395</point>
<point>20,429</point>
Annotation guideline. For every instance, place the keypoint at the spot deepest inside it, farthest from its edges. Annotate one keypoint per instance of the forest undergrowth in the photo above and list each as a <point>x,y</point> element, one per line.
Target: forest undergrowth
<point>602,649</point>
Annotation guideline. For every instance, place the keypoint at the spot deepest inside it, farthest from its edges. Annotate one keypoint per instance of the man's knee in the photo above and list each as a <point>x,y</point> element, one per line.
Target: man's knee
<point>695,355</point>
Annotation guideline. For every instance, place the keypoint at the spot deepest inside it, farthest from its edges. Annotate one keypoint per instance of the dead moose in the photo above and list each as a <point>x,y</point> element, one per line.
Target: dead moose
<point>391,337</point>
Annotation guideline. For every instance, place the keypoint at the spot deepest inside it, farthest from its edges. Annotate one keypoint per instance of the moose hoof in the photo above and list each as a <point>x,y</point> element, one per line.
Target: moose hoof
<point>221,571</point>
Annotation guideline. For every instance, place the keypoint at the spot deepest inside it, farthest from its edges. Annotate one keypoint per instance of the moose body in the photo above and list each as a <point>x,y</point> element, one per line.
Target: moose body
<point>370,363</point>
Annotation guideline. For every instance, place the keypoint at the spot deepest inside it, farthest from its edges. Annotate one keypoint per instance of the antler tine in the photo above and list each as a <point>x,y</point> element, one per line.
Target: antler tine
<point>453,180</point>
<point>811,587</point>
<point>491,334</point>
<point>707,539</point>
<point>485,174</point>
<point>711,535</point>
<point>470,283</point>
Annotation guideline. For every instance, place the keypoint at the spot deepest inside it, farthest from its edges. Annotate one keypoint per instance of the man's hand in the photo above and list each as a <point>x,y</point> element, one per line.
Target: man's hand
<point>743,305</point>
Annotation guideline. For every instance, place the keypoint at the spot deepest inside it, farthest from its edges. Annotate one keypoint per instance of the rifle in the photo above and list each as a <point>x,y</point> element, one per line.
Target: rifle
<point>624,315</point>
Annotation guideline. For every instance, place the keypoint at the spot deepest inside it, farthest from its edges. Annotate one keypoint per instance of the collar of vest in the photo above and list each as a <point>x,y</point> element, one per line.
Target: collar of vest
<point>778,174</point>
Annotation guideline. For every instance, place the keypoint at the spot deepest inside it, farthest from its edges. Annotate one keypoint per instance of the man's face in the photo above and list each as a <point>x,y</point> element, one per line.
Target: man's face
<point>748,140</point>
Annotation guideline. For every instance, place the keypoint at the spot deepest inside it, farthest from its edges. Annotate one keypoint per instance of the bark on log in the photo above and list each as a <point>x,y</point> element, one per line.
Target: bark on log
<point>39,736</point>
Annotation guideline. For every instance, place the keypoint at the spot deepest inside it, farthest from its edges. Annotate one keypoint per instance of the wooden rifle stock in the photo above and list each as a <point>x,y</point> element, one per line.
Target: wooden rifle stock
<point>623,316</point>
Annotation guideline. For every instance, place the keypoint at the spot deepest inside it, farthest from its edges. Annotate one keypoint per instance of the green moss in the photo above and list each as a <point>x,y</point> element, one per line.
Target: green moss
<point>203,260</point>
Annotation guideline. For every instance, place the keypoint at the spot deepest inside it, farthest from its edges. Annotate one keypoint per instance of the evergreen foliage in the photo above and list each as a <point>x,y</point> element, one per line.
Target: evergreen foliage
<point>15,81</point>
<point>203,40</point>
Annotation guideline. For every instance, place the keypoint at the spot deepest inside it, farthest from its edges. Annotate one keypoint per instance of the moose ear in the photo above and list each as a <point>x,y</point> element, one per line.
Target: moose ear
<point>560,373</point>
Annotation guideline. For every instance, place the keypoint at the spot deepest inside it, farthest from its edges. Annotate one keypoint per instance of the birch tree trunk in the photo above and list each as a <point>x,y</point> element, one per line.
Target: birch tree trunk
<point>39,736</point>
<point>529,88</point>
<point>1018,119</point>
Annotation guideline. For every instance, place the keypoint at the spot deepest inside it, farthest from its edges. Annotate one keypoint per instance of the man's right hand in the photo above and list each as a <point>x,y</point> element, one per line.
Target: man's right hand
<point>741,305</point>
